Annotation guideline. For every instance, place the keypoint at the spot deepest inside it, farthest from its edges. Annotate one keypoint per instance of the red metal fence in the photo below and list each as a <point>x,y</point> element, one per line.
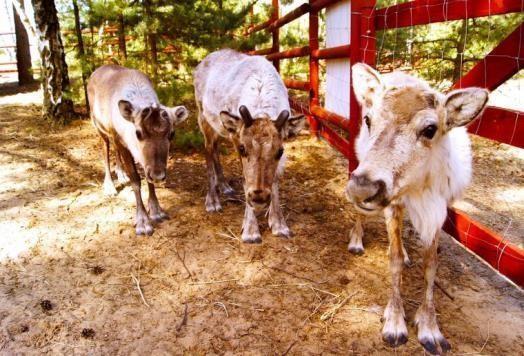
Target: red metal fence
<point>496,123</point>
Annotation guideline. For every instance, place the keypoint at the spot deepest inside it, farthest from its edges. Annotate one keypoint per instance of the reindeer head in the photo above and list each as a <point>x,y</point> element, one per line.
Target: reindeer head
<point>259,143</point>
<point>405,123</point>
<point>154,127</point>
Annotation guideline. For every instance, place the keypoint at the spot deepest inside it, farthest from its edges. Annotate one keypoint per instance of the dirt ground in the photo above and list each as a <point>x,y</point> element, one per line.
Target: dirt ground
<point>75,280</point>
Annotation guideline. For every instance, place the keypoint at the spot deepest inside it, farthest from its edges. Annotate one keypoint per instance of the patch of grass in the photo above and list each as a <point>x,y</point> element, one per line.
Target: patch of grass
<point>188,140</point>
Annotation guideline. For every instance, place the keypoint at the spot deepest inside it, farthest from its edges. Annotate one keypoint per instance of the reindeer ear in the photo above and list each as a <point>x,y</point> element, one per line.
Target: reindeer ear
<point>293,126</point>
<point>367,83</point>
<point>464,105</point>
<point>230,121</point>
<point>126,110</point>
<point>177,114</point>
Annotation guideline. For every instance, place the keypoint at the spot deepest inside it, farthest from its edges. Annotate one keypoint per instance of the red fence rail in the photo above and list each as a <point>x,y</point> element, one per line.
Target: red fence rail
<point>498,124</point>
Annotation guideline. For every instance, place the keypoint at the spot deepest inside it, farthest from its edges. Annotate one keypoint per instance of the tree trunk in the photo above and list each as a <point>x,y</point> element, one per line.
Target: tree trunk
<point>461,46</point>
<point>23,52</point>
<point>122,36</point>
<point>57,105</point>
<point>81,51</point>
<point>28,22</point>
<point>151,39</point>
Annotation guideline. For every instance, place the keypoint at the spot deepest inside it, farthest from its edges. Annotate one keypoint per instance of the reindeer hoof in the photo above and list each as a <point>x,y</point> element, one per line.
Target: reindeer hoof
<point>432,346</point>
<point>252,239</point>
<point>228,191</point>
<point>213,204</point>
<point>395,340</point>
<point>394,332</point>
<point>159,217</point>
<point>356,250</point>
<point>144,230</point>
<point>109,189</point>
<point>282,231</point>
<point>144,226</point>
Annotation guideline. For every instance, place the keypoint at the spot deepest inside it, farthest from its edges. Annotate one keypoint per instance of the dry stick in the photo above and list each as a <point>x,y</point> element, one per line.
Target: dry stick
<point>485,342</point>
<point>184,319</point>
<point>289,348</point>
<point>220,304</point>
<point>183,260</point>
<point>331,313</point>
<point>444,291</point>
<point>213,282</point>
<point>291,274</point>
<point>140,290</point>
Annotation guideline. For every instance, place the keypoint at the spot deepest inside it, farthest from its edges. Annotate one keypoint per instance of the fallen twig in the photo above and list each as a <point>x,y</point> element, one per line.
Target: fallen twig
<point>485,342</point>
<point>184,319</point>
<point>449,295</point>
<point>245,307</point>
<point>220,304</point>
<point>290,273</point>
<point>137,282</point>
<point>330,314</point>
<point>289,348</point>
<point>213,282</point>
<point>183,260</point>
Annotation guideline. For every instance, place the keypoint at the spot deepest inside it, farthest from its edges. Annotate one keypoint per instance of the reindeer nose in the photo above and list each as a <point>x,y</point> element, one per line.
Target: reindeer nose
<point>259,196</point>
<point>156,175</point>
<point>362,189</point>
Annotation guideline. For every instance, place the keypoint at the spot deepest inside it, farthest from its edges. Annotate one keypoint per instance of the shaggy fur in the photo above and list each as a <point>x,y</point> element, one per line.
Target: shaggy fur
<point>242,98</point>
<point>414,153</point>
<point>126,113</point>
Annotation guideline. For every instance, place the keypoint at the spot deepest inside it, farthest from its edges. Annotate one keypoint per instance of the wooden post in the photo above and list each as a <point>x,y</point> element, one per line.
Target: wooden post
<point>314,125</point>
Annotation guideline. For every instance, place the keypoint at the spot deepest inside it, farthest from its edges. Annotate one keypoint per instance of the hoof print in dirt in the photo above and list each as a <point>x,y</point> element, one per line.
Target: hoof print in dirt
<point>46,305</point>
<point>88,333</point>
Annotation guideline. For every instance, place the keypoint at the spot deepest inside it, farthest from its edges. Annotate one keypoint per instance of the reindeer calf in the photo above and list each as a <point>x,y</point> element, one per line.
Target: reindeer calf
<point>126,112</point>
<point>414,153</point>
<point>242,98</point>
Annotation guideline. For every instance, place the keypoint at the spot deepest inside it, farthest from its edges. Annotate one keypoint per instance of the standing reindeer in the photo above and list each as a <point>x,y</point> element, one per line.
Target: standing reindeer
<point>414,154</point>
<point>126,113</point>
<point>242,98</point>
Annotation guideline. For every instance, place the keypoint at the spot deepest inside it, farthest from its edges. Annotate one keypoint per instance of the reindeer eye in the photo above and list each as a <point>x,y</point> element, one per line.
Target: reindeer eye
<point>139,135</point>
<point>279,153</point>
<point>242,150</point>
<point>367,120</point>
<point>429,131</point>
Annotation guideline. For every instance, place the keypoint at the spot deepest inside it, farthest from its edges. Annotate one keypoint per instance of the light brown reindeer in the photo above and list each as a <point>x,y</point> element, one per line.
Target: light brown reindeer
<point>126,113</point>
<point>243,98</point>
<point>414,154</point>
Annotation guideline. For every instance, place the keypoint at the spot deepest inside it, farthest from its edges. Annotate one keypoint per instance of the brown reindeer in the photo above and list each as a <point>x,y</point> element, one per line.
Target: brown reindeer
<point>126,113</point>
<point>414,155</point>
<point>243,98</point>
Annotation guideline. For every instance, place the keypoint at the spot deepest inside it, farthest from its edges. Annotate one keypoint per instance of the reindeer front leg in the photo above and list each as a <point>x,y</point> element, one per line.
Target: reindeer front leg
<point>250,231</point>
<point>143,223</point>
<point>276,219</point>
<point>429,334</point>
<point>394,331</point>
<point>156,213</point>
<point>210,137</point>
<point>355,236</point>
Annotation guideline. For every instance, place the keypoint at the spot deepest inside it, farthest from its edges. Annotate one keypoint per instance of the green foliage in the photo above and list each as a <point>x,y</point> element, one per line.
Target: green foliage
<point>184,33</point>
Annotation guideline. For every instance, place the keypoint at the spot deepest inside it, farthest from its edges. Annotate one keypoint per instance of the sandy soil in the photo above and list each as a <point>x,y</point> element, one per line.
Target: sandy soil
<point>70,265</point>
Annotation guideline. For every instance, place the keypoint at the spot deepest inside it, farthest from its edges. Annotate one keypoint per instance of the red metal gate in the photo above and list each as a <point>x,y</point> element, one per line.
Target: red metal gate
<point>498,124</point>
